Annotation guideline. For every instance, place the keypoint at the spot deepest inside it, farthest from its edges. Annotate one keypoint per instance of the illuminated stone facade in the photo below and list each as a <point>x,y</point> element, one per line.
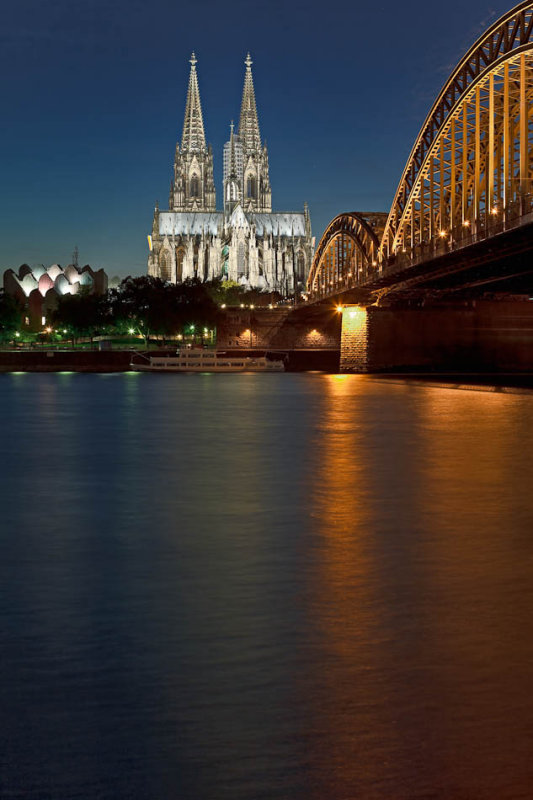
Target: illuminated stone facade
<point>354,339</point>
<point>246,242</point>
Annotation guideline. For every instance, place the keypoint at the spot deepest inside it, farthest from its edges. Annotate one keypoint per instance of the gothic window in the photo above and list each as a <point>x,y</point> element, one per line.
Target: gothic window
<point>241,263</point>
<point>180,255</point>
<point>195,186</point>
<point>231,191</point>
<point>165,265</point>
<point>195,259</point>
<point>300,266</point>
<point>250,187</point>
<point>225,257</point>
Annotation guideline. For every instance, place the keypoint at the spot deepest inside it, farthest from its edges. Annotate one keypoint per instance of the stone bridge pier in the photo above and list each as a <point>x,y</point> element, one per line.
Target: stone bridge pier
<point>476,336</point>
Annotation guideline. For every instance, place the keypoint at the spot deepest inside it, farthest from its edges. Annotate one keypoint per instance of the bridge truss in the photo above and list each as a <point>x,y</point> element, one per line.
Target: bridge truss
<point>469,174</point>
<point>346,255</point>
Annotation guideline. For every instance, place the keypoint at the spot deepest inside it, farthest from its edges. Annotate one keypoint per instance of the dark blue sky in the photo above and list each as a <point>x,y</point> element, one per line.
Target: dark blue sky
<point>93,95</point>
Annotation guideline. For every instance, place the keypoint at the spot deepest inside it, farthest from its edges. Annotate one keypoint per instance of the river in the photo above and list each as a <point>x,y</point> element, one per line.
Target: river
<point>237,587</point>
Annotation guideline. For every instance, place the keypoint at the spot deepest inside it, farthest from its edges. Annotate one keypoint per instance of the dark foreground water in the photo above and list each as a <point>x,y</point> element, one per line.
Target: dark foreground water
<point>264,586</point>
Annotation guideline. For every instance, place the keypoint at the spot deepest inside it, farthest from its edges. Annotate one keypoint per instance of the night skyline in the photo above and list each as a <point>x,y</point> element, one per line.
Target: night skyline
<point>95,106</point>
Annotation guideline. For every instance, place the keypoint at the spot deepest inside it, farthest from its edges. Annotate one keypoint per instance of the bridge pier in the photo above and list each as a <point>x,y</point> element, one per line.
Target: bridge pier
<point>478,336</point>
<point>355,339</point>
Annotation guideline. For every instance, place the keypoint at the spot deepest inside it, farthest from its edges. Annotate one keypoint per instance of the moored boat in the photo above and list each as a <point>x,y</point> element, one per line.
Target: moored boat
<point>196,359</point>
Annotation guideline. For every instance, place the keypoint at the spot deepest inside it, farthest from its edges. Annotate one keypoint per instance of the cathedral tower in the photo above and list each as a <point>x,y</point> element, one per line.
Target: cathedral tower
<point>251,158</point>
<point>257,195</point>
<point>193,187</point>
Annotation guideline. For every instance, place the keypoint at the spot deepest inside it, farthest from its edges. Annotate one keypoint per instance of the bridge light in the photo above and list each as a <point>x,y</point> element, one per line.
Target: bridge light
<point>357,317</point>
<point>374,263</point>
<point>339,309</point>
<point>442,234</point>
<point>494,210</point>
<point>466,223</point>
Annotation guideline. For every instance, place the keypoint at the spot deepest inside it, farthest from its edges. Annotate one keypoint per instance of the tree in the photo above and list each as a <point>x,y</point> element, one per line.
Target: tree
<point>153,306</point>
<point>224,292</point>
<point>82,314</point>
<point>10,316</point>
<point>141,303</point>
<point>193,304</point>
<point>231,293</point>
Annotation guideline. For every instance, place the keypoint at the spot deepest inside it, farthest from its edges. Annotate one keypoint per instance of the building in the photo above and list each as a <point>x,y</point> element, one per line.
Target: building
<point>246,241</point>
<point>38,288</point>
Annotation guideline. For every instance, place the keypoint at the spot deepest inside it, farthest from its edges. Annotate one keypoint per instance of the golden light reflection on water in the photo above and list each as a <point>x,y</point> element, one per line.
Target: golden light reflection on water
<point>476,494</point>
<point>346,605</point>
<point>421,499</point>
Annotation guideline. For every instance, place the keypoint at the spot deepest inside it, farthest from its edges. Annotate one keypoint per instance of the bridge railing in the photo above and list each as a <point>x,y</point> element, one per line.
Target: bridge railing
<point>361,278</point>
<point>516,214</point>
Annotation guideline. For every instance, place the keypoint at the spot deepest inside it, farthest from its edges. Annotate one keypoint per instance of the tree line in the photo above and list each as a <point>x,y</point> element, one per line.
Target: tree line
<point>146,306</point>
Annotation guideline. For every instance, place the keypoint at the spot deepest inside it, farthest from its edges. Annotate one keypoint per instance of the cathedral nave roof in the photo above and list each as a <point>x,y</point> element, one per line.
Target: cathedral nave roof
<point>289,224</point>
<point>196,223</point>
<point>190,223</point>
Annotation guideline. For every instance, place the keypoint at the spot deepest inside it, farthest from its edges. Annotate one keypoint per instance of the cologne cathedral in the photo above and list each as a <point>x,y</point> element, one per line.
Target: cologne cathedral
<point>246,241</point>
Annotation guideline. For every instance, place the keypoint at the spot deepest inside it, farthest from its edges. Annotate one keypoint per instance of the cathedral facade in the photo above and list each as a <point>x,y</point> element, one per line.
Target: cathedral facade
<point>246,241</point>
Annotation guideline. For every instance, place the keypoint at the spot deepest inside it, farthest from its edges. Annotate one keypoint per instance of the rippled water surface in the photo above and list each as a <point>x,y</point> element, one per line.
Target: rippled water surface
<point>264,586</point>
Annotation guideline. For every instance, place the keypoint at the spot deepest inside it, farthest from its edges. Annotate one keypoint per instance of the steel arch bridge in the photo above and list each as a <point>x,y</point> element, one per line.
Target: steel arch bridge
<point>469,174</point>
<point>345,256</point>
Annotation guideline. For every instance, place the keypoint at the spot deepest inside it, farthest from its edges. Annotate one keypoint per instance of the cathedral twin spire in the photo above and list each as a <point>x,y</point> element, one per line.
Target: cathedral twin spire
<point>192,188</point>
<point>193,138</point>
<point>255,189</point>
<point>249,123</point>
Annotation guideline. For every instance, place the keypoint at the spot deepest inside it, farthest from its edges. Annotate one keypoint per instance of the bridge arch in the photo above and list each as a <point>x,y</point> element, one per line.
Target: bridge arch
<point>346,254</point>
<point>470,170</point>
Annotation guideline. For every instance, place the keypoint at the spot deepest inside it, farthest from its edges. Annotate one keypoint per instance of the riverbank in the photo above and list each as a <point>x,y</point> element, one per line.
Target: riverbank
<point>64,360</point>
<point>56,360</point>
